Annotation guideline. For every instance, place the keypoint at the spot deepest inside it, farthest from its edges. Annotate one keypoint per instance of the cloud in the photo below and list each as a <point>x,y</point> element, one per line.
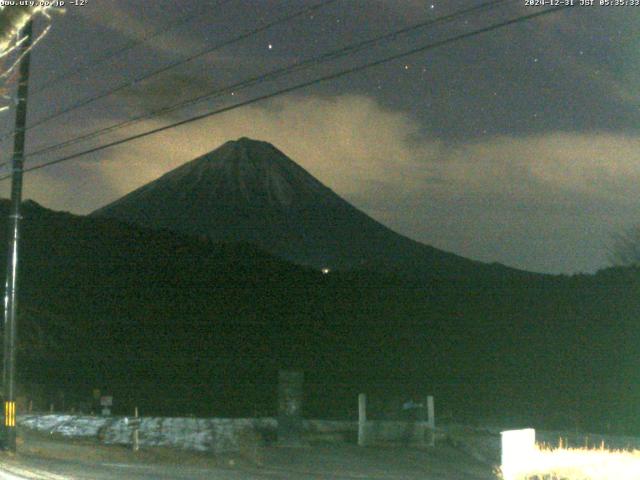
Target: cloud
<point>546,202</point>
<point>128,23</point>
<point>345,141</point>
<point>603,167</point>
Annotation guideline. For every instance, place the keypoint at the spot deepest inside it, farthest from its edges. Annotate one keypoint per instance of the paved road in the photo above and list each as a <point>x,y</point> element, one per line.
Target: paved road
<point>33,468</point>
<point>47,469</point>
<point>45,458</point>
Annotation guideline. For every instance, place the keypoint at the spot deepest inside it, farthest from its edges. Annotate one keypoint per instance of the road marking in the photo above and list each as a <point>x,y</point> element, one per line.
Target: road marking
<point>8,476</point>
<point>11,472</point>
<point>126,465</point>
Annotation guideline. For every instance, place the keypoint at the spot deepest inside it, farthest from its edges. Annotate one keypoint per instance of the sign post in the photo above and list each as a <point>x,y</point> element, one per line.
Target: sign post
<point>134,424</point>
<point>106,402</point>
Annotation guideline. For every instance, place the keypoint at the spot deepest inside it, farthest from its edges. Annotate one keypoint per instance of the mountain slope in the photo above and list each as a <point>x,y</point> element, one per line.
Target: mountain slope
<point>176,325</point>
<point>249,191</point>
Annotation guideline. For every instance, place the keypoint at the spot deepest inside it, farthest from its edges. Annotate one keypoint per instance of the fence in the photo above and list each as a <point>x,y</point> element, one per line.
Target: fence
<point>391,419</point>
<point>417,428</point>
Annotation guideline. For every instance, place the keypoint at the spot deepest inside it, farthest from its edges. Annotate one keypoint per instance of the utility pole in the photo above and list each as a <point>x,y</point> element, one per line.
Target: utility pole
<point>11,286</point>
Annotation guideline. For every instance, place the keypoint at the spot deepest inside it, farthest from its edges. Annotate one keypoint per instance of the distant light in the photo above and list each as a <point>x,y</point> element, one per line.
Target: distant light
<point>325,271</point>
<point>270,46</point>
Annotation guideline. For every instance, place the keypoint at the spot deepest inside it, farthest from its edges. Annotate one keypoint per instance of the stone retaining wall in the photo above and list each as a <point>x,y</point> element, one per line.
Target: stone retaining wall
<point>214,434</point>
<point>200,434</point>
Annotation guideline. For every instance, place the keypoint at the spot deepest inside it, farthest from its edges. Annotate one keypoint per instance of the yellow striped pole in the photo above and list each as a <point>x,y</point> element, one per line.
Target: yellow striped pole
<point>9,414</point>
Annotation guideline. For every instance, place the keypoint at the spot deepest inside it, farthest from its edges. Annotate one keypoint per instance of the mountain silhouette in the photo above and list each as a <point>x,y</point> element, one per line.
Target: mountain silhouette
<point>249,191</point>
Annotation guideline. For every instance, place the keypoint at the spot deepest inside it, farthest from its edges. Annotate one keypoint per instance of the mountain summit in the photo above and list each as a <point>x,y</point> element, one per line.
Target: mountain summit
<point>249,191</point>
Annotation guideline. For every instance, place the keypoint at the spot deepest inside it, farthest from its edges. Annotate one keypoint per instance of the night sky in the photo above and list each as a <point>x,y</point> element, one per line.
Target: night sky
<point>520,146</point>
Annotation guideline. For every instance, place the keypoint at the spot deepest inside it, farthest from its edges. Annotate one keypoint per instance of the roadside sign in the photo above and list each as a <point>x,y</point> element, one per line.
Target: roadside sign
<point>132,422</point>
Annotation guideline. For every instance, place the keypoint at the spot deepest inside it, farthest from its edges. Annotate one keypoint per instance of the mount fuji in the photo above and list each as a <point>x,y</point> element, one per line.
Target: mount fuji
<point>249,191</point>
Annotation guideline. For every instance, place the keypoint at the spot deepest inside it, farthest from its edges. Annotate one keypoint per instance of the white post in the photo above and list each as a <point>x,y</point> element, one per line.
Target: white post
<point>362,418</point>
<point>431,415</point>
<point>518,452</point>
<point>431,420</point>
<point>136,438</point>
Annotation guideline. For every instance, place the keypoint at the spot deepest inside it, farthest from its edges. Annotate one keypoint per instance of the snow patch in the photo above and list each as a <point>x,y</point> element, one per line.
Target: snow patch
<point>208,434</point>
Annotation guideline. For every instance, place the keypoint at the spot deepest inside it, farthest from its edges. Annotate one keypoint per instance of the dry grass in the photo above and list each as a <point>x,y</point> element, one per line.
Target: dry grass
<point>578,464</point>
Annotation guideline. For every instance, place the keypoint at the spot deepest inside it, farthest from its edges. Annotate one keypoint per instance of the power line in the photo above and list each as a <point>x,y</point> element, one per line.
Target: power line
<point>123,86</point>
<point>130,46</point>
<point>302,85</point>
<point>303,64</point>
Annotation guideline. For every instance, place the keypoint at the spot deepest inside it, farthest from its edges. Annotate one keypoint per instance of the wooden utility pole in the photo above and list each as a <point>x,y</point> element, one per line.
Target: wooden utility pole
<point>11,286</point>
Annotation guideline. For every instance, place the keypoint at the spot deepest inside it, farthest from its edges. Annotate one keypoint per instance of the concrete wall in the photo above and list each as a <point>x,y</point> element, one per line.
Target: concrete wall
<point>397,432</point>
<point>201,434</point>
<point>215,434</point>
